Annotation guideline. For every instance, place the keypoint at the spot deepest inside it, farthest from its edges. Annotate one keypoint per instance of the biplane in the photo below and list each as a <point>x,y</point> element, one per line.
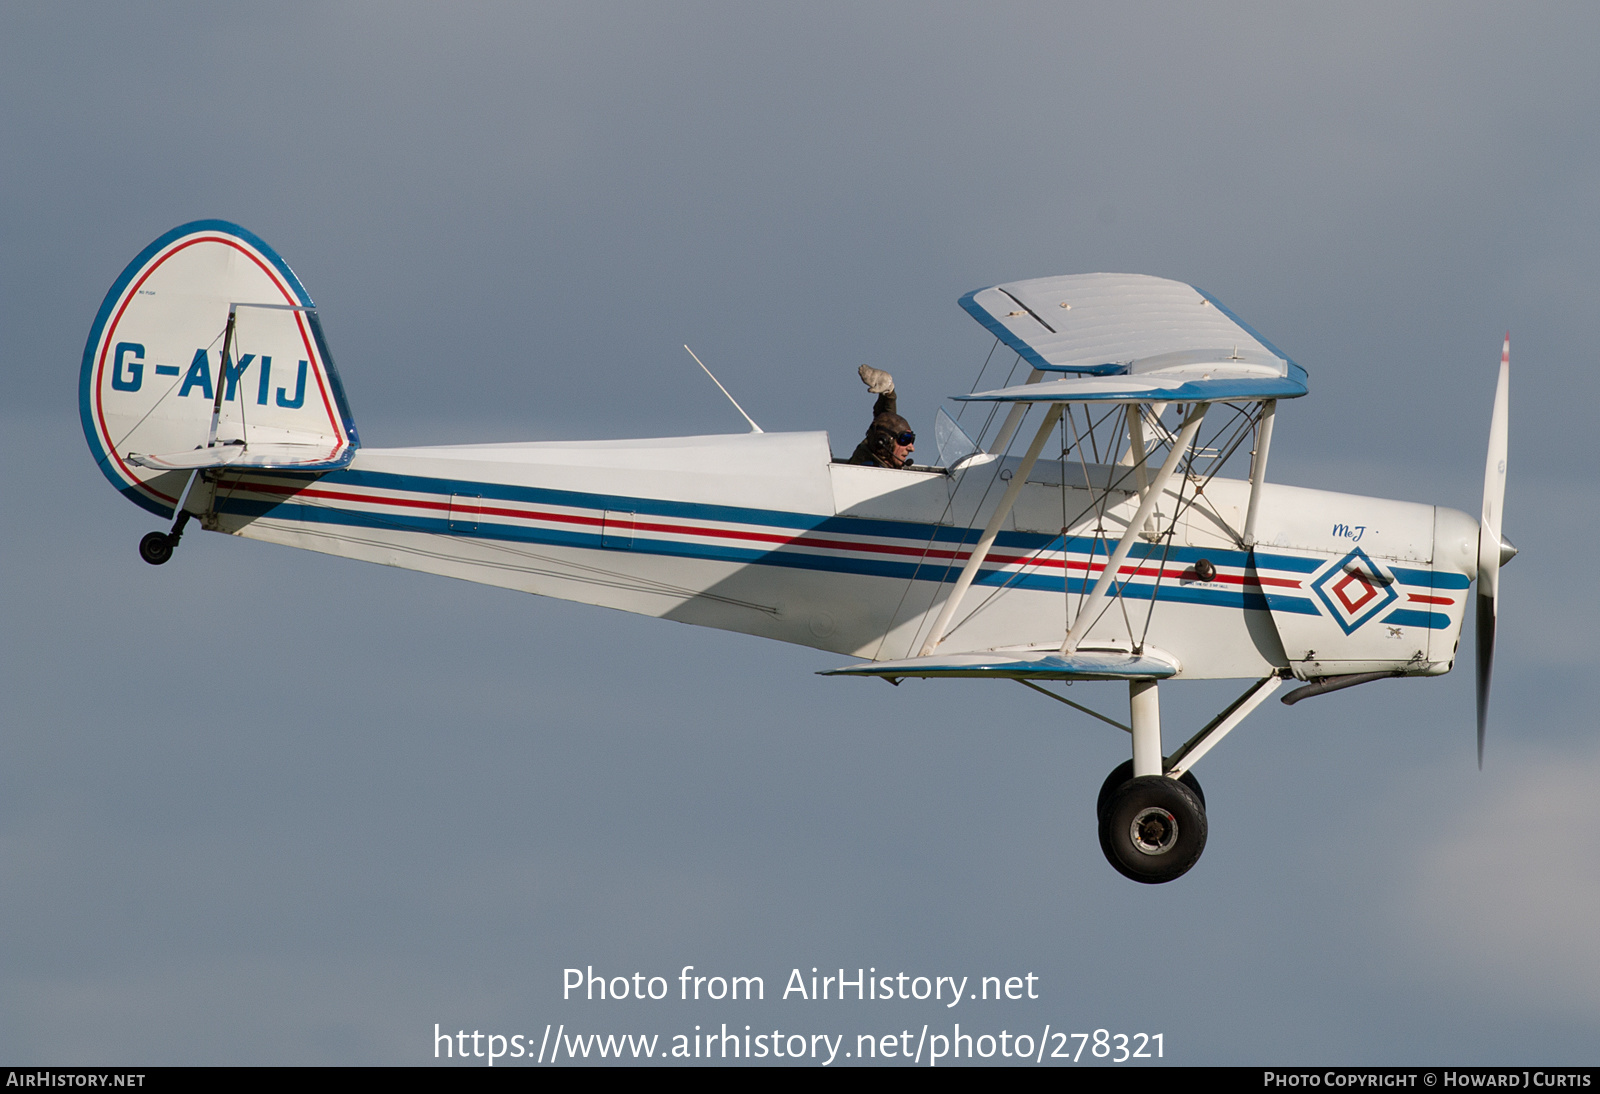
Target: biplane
<point>1076,526</point>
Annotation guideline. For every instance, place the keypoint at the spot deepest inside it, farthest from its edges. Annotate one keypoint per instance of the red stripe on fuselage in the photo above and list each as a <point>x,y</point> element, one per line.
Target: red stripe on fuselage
<point>803,539</point>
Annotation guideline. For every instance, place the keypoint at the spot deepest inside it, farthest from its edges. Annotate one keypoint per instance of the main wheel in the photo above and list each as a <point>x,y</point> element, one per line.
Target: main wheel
<point>155,548</point>
<point>1124,771</point>
<point>1153,829</point>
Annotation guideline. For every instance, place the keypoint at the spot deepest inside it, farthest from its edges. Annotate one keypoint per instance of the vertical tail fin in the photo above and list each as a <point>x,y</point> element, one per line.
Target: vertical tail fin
<point>156,368</point>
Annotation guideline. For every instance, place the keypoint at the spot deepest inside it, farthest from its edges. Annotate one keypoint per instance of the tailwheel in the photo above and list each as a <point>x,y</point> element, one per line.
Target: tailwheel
<point>1152,829</point>
<point>155,548</point>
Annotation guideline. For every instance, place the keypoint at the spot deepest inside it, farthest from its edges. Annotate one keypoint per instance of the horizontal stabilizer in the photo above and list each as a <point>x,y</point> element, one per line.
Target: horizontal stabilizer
<point>1023,665</point>
<point>280,457</point>
<point>1130,338</point>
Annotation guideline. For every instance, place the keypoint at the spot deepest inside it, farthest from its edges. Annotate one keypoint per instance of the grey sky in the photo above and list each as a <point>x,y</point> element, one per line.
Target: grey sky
<point>265,806</point>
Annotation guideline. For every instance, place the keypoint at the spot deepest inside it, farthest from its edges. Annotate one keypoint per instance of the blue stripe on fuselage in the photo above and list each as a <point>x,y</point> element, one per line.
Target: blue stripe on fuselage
<point>795,555</point>
<point>913,531</point>
<point>1409,617</point>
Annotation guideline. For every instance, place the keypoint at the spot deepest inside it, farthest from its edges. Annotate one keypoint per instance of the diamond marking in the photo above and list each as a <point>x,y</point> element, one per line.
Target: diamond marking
<point>1341,589</point>
<point>1355,589</point>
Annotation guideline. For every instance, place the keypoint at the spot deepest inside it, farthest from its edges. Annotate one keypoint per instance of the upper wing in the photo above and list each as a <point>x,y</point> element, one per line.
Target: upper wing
<point>1130,338</point>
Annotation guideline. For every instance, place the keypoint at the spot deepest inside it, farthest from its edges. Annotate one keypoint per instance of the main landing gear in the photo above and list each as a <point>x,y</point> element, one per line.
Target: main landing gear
<point>1152,829</point>
<point>1151,809</point>
<point>1152,826</point>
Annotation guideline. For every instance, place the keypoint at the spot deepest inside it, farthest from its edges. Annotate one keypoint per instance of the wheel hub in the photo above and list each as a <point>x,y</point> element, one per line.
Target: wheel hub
<point>1154,831</point>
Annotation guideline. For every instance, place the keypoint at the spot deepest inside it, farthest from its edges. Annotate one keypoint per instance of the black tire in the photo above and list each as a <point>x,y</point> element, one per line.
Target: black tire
<point>155,548</point>
<point>1124,771</point>
<point>1153,829</point>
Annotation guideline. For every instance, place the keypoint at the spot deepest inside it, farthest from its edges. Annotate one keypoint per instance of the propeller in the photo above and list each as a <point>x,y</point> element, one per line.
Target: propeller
<point>1494,550</point>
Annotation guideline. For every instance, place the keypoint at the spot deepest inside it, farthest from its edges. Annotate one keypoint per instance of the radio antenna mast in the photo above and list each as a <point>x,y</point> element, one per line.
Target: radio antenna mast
<point>753,427</point>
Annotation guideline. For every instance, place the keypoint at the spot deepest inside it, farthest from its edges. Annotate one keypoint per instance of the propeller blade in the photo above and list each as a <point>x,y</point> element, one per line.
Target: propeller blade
<point>1486,622</point>
<point>1494,482</point>
<point>1492,547</point>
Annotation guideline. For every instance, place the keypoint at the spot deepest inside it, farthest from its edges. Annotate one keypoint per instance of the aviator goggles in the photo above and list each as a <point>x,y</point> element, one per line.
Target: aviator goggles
<point>907,437</point>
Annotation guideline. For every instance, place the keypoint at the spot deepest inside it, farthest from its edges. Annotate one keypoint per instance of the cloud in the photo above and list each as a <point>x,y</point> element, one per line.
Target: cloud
<point>1504,889</point>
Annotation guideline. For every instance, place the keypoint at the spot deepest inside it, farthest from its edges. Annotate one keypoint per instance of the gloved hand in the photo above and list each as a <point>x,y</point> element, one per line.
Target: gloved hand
<point>878,381</point>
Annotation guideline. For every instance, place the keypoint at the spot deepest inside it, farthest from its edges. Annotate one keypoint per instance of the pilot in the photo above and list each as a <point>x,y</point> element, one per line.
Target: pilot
<point>889,441</point>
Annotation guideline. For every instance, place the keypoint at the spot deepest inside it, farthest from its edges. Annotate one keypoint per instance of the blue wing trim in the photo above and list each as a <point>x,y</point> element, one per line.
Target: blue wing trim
<point>1139,389</point>
<point>1083,665</point>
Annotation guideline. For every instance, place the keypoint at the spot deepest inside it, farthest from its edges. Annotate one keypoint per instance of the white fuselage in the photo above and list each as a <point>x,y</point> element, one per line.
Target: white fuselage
<point>767,535</point>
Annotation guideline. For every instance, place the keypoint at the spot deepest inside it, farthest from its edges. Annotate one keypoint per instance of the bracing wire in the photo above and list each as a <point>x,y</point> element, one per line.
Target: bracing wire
<point>979,380</point>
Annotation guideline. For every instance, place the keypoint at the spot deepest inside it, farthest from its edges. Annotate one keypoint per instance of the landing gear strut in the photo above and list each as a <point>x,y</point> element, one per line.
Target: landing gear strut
<point>1151,809</point>
<point>1152,825</point>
